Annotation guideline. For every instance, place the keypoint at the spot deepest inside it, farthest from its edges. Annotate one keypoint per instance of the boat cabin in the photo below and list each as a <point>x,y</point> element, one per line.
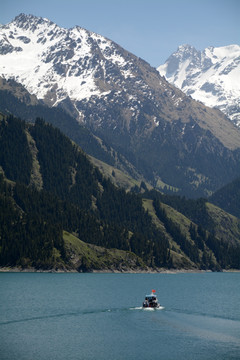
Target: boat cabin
<point>151,298</point>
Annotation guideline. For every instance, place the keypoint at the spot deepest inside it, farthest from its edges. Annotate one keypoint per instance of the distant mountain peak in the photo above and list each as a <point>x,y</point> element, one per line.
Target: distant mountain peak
<point>186,48</point>
<point>25,21</point>
<point>211,76</point>
<point>30,22</point>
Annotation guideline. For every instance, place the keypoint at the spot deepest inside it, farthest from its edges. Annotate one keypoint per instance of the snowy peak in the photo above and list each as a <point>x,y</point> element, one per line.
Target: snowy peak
<point>211,76</point>
<point>30,22</point>
<point>55,63</point>
<point>183,55</point>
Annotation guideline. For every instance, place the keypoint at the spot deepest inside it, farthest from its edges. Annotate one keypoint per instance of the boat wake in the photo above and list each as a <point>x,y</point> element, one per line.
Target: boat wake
<point>59,315</point>
<point>77,313</point>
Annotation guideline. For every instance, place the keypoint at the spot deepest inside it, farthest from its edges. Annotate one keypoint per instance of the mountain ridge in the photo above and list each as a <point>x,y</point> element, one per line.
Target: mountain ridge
<point>167,136</point>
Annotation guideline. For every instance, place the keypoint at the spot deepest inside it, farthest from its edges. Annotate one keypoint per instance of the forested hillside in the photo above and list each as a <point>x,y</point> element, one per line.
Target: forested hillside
<point>49,188</point>
<point>210,237</point>
<point>73,196</point>
<point>15,100</point>
<point>228,197</point>
<point>10,103</point>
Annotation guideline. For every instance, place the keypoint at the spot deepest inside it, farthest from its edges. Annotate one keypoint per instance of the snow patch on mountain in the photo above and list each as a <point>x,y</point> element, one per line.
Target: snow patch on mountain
<point>211,76</point>
<point>42,56</point>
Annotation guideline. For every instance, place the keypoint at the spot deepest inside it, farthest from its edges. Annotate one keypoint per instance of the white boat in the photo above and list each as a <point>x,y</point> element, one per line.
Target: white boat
<point>151,301</point>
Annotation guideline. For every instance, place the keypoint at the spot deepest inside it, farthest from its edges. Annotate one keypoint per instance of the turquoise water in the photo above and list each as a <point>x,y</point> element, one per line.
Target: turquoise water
<point>99,316</point>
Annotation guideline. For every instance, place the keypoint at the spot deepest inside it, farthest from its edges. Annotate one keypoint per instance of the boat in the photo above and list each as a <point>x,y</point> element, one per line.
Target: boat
<point>151,301</point>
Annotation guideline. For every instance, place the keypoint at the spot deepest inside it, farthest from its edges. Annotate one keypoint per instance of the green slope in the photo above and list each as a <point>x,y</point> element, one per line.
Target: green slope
<point>53,184</point>
<point>87,257</point>
<point>207,236</point>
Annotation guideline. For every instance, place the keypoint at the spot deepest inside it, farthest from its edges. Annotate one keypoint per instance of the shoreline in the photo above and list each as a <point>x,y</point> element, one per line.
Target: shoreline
<point>115,271</point>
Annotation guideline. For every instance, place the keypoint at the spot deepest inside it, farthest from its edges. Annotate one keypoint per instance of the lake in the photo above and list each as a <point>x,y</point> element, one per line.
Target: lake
<point>69,316</point>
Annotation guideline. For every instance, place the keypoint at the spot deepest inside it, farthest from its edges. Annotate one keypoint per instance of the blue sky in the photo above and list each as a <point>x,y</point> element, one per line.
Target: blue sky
<point>151,29</point>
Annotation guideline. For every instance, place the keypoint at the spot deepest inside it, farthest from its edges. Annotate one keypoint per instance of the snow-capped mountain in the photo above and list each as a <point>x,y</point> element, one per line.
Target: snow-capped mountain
<point>48,59</point>
<point>57,64</point>
<point>168,137</point>
<point>211,76</point>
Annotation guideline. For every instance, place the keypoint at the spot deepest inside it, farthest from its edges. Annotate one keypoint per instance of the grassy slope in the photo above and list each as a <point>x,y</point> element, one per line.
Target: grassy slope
<point>227,226</point>
<point>119,178</point>
<point>123,179</point>
<point>180,260</point>
<point>88,257</point>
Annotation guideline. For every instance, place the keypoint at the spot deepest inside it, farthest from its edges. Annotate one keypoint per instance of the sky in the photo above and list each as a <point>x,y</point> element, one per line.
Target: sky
<point>150,29</point>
